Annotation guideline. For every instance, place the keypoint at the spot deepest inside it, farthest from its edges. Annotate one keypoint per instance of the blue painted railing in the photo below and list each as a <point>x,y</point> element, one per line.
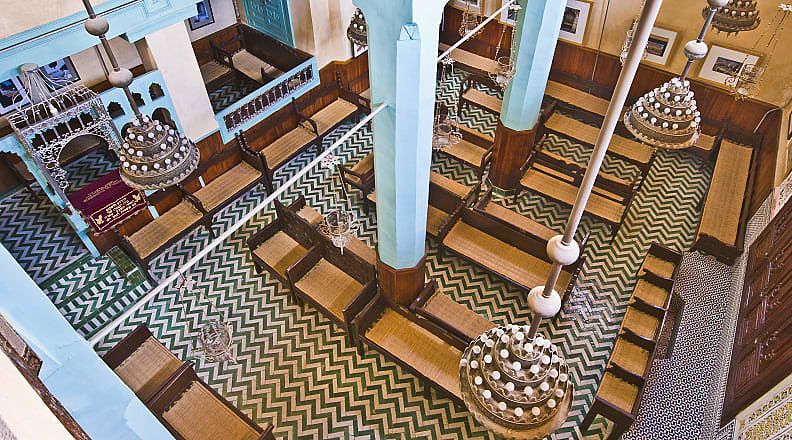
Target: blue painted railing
<point>268,99</point>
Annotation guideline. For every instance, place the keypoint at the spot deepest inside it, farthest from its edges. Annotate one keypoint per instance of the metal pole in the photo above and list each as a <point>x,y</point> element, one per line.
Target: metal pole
<point>701,35</point>
<point>612,118</point>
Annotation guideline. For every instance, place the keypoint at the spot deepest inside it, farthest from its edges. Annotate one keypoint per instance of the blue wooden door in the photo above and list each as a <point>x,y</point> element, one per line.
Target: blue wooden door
<point>271,17</point>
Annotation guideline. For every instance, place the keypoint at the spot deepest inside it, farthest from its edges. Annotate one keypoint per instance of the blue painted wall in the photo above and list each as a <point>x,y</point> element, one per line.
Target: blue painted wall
<point>87,388</point>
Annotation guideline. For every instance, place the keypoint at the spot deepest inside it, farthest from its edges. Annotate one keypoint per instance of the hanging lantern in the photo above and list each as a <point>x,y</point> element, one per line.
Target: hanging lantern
<point>215,341</point>
<point>518,388</point>
<point>628,39</point>
<point>445,131</point>
<point>470,21</point>
<point>357,31</point>
<point>736,16</point>
<point>505,65</point>
<point>339,226</point>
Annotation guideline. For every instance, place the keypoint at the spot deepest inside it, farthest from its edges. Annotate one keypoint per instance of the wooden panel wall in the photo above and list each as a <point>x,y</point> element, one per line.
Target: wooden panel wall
<point>203,46</point>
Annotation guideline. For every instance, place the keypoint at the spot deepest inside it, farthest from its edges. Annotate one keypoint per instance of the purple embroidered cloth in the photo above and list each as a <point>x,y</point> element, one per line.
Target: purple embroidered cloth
<point>107,202</point>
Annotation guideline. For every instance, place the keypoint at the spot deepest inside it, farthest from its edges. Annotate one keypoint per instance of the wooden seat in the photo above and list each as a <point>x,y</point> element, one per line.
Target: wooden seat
<point>723,219</point>
<point>254,67</point>
<point>477,63</point>
<point>482,100</point>
<point>620,393</point>
<point>449,184</point>
<point>279,252</point>
<point>285,147</point>
<point>523,223</point>
<point>617,400</point>
<point>212,71</point>
<point>453,317</point>
<point>631,357</point>
<point>191,410</point>
<point>142,362</point>
<point>474,149</point>
<point>336,112</point>
<point>632,151</point>
<point>310,215</point>
<point>329,286</point>
<point>228,185</point>
<point>578,98</point>
<point>658,266</point>
<point>609,177</point>
<point>651,293</point>
<point>642,324</point>
<point>164,228</point>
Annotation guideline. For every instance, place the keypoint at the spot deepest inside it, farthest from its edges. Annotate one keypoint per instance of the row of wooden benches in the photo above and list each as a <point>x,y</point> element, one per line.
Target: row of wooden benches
<point>224,176</point>
<point>188,407</point>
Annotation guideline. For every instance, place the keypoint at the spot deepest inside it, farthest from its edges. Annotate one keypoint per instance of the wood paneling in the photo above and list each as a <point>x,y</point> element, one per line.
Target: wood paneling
<point>203,46</point>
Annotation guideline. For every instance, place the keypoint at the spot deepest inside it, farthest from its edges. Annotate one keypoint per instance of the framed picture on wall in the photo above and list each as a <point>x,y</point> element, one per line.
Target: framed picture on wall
<point>575,21</point>
<point>722,62</point>
<point>476,6</point>
<point>509,16</point>
<point>358,50</point>
<point>204,17</point>
<point>12,95</point>
<point>660,45</point>
<point>61,72</point>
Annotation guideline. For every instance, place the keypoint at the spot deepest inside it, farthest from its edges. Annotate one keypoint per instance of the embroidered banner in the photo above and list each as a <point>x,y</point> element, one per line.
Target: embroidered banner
<point>107,202</point>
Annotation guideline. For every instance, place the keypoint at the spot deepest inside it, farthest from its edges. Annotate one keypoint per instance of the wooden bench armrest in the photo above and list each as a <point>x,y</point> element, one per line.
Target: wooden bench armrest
<point>665,253</point>
<point>448,223</point>
<point>368,316</point>
<point>124,348</point>
<point>267,433</point>
<point>420,301</point>
<point>172,389</point>
<point>365,296</point>
<point>647,344</point>
<point>657,280</point>
<point>473,195</point>
<point>222,56</point>
<point>263,234</point>
<point>296,271</point>
<point>186,195</point>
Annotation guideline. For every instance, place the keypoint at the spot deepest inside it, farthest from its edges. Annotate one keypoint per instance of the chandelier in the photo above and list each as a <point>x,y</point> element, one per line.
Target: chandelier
<point>357,32</point>
<point>505,67</point>
<point>214,341</point>
<point>515,386</point>
<point>58,111</point>
<point>470,21</point>
<point>668,116</point>
<point>445,131</point>
<point>736,16</point>
<point>153,156</point>
<point>744,83</point>
<point>340,224</point>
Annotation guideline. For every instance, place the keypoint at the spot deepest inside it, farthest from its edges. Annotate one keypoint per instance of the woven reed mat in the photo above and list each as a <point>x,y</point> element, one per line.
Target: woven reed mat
<point>467,152</point>
<point>418,348</point>
<point>451,185</point>
<point>651,294</point>
<point>618,392</point>
<point>658,266</point>
<point>519,220</point>
<point>722,209</point>
<point>483,99</point>
<point>629,356</point>
<point>279,151</point>
<point>147,368</point>
<point>468,322</point>
<point>642,324</point>
<point>501,257</point>
<point>585,133</point>
<point>577,98</point>
<point>334,113</point>
<point>249,64</point>
<point>159,231</point>
<point>199,415</point>
<point>280,251</point>
<point>227,184</point>
<point>329,286</point>
<point>471,59</point>
<point>212,71</point>
<point>434,217</point>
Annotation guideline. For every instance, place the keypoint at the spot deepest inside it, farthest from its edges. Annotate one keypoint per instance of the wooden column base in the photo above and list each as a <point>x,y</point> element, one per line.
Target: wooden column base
<point>509,154</point>
<point>401,286</point>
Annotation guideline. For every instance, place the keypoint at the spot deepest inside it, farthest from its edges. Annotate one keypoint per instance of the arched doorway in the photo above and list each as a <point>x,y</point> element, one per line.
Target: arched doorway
<point>86,158</point>
<point>164,116</point>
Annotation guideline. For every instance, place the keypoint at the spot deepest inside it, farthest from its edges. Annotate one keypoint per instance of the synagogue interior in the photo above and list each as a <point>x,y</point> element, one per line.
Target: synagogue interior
<point>401,219</point>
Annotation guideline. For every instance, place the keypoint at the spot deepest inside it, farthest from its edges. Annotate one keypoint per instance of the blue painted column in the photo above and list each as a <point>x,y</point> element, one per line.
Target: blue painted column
<point>538,25</point>
<point>403,39</point>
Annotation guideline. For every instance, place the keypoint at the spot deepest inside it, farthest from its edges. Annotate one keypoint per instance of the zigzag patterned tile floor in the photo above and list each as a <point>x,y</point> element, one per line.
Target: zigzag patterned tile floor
<point>295,369</point>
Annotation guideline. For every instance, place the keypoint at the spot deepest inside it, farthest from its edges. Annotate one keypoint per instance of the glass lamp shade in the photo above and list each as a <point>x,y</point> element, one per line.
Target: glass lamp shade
<point>215,341</point>
<point>469,22</point>
<point>504,72</point>
<point>745,83</point>
<point>445,134</point>
<point>339,226</point>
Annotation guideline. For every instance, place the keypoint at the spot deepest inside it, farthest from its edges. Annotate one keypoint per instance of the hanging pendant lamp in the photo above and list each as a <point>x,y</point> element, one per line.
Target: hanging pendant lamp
<point>735,16</point>
<point>505,67</point>
<point>153,156</point>
<point>340,224</point>
<point>357,31</point>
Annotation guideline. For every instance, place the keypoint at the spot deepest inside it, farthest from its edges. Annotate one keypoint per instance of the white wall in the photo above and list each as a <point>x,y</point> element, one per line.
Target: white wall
<point>224,15</point>
<point>89,68</point>
<point>320,28</point>
<point>21,15</point>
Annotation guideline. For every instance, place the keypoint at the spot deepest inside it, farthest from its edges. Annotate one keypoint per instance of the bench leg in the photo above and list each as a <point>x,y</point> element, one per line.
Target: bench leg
<point>360,349</point>
<point>589,418</point>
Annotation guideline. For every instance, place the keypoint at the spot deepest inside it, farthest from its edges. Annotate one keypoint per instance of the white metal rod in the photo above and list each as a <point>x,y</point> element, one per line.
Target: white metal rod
<point>222,237</point>
<point>470,34</point>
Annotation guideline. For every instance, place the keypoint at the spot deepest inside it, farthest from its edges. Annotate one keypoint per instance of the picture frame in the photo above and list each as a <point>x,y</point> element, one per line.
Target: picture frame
<point>476,6</point>
<point>358,50</point>
<point>575,21</point>
<point>508,16</point>
<point>661,45</point>
<point>722,61</point>
<point>61,72</point>
<point>204,16</point>
<point>12,96</point>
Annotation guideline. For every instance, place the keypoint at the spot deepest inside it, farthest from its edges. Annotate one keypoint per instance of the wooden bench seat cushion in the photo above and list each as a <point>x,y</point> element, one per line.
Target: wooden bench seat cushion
<point>227,185</point>
<point>148,239</point>
<point>483,99</point>
<point>564,192</point>
<point>572,164</point>
<point>577,98</point>
<point>419,348</point>
<point>471,59</point>
<point>468,322</point>
<point>658,266</point>
<point>364,167</point>
<point>519,220</point>
<point>618,392</point>
<point>280,251</point>
<point>329,286</point>
<point>199,415</point>
<point>330,116</point>
<point>212,71</point>
<point>588,134</point>
<point>651,294</point>
<point>475,133</point>
<point>705,142</point>
<point>723,207</point>
<point>501,257</point>
<point>451,185</point>
<point>629,356</point>
<point>251,66</point>
<point>278,152</point>
<point>310,215</point>
<point>147,368</point>
<point>640,323</point>
<point>467,152</point>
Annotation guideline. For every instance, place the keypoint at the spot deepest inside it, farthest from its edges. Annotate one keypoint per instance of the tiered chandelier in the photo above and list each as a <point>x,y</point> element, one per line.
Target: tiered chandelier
<point>357,31</point>
<point>735,16</point>
<point>668,116</point>
<point>153,156</point>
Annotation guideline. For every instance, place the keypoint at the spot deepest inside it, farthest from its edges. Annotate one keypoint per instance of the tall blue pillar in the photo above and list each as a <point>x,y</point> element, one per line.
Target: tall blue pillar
<point>403,40</point>
<point>538,25</point>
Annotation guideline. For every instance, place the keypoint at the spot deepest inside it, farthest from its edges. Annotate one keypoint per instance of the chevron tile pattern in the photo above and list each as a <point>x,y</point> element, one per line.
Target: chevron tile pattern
<point>295,368</point>
<point>231,92</point>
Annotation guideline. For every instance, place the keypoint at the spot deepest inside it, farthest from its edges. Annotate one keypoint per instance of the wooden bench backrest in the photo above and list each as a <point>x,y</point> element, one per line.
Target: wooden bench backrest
<point>504,232</point>
<point>348,262</point>
<point>442,198</point>
<point>294,225</point>
<point>162,200</point>
<point>665,253</point>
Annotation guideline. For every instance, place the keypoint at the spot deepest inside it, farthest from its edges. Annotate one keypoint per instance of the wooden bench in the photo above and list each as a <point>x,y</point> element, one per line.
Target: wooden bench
<point>721,232</point>
<point>344,105</point>
<point>473,62</point>
<point>225,176</point>
<point>629,150</point>
<point>470,95</point>
<point>142,362</point>
<point>474,150</point>
<point>575,97</point>
<point>456,319</point>
<point>505,251</point>
<point>338,284</point>
<point>488,207</point>
<point>360,176</point>
<point>143,237</point>
<point>416,344</point>
<point>285,241</point>
<point>192,410</point>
